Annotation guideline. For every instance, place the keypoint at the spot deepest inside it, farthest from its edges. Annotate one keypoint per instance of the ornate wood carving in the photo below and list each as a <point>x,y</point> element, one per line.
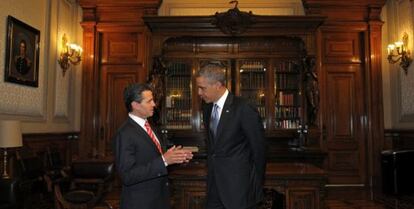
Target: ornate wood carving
<point>233,21</point>
<point>311,89</point>
<point>156,81</point>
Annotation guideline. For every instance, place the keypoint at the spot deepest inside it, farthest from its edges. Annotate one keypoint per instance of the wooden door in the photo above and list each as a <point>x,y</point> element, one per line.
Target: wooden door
<point>344,141</point>
<point>121,63</point>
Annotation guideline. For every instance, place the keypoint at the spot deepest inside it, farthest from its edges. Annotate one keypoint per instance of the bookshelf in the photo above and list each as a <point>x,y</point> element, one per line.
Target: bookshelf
<point>288,95</point>
<point>267,71</point>
<point>273,85</point>
<point>178,97</point>
<point>252,83</point>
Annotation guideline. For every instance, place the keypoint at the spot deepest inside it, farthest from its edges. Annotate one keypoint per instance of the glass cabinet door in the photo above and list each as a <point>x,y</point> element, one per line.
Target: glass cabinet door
<point>288,98</point>
<point>252,83</point>
<point>178,95</point>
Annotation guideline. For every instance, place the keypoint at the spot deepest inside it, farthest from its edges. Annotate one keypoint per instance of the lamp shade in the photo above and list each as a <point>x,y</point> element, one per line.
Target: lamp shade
<point>10,134</point>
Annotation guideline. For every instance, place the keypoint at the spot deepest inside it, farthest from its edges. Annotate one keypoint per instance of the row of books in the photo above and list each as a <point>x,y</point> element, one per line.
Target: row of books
<point>290,99</point>
<point>179,69</point>
<point>287,123</point>
<point>252,80</point>
<point>178,125</point>
<point>182,102</point>
<point>287,81</point>
<point>254,97</point>
<point>288,112</point>
<point>287,66</point>
<point>175,115</point>
<point>252,66</point>
<point>178,82</point>
<point>262,111</point>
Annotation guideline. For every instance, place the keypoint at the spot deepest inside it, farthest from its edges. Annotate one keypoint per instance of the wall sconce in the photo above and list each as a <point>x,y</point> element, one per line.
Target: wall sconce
<point>398,52</point>
<point>70,54</point>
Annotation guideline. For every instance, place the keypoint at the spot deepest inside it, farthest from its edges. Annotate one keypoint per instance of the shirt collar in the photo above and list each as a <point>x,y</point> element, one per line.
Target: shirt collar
<point>222,99</point>
<point>140,121</point>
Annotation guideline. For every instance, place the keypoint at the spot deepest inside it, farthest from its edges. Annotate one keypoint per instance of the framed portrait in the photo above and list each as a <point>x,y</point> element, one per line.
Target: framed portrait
<point>22,53</point>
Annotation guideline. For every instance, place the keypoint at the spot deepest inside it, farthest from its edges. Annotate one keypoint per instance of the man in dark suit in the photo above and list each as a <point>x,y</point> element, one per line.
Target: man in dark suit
<point>236,144</point>
<point>140,160</point>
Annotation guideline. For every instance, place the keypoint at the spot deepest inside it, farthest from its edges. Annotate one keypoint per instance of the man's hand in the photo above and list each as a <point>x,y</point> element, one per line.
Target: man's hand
<point>176,154</point>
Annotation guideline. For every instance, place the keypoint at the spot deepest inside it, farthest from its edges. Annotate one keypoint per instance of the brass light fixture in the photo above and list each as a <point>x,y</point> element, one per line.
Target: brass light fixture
<point>70,54</point>
<point>398,52</point>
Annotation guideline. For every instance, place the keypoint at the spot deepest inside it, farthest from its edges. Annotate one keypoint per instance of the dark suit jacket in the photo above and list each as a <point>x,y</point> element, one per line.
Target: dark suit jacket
<point>236,156</point>
<point>141,168</point>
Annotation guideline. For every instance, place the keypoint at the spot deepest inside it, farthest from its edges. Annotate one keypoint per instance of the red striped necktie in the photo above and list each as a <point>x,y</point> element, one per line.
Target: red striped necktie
<point>152,136</point>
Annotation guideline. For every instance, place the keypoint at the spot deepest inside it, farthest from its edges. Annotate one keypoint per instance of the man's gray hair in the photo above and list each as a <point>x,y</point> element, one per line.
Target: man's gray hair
<point>213,72</point>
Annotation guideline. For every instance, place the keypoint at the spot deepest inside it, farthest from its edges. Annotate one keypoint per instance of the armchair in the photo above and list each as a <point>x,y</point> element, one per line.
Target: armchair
<point>89,182</point>
<point>56,169</point>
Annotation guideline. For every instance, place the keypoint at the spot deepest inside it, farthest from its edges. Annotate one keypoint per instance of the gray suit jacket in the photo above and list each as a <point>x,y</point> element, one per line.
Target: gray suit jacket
<point>236,156</point>
<point>141,168</point>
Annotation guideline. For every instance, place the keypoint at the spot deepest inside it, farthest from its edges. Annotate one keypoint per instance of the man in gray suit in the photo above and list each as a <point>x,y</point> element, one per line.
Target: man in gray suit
<point>235,142</point>
<point>140,160</point>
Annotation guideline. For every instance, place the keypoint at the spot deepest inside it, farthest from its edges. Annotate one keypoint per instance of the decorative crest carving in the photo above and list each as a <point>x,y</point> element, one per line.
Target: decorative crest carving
<point>233,21</point>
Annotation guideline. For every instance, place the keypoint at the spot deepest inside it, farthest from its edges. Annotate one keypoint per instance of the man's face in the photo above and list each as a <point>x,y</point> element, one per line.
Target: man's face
<point>22,49</point>
<point>145,108</point>
<point>209,92</point>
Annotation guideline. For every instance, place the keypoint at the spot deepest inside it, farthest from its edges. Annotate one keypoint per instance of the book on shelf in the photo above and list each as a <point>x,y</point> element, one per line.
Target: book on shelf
<point>191,148</point>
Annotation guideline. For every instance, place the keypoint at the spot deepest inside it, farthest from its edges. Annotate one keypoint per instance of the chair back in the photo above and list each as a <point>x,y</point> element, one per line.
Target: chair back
<point>92,170</point>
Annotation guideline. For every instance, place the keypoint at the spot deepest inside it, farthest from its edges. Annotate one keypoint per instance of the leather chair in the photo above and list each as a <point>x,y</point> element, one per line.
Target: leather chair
<point>86,186</point>
<point>10,197</point>
<point>55,168</point>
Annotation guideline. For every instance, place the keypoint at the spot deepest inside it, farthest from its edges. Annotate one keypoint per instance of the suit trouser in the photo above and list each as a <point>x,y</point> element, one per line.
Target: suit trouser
<point>213,198</point>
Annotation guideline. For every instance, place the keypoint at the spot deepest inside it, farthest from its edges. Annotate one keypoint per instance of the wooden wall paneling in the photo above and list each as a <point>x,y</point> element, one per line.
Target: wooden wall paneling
<point>39,143</point>
<point>398,139</point>
<point>116,15</point>
<point>351,10</point>
<point>342,48</point>
<point>359,19</point>
<point>123,48</point>
<point>375,118</point>
<point>122,60</point>
<point>115,41</point>
<point>114,78</point>
<point>302,198</point>
<point>89,88</point>
<point>343,69</point>
<point>345,140</point>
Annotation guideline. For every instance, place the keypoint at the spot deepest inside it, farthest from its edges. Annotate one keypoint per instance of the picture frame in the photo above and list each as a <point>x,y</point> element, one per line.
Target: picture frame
<point>22,53</point>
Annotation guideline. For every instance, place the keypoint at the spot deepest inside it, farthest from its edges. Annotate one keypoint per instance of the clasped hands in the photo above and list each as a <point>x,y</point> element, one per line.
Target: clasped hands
<point>176,154</point>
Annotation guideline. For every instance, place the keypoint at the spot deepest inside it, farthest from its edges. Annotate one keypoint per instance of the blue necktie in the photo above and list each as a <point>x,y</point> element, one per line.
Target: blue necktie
<point>214,119</point>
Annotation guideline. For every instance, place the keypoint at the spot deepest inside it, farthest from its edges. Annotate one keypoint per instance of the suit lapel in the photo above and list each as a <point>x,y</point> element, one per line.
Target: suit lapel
<point>225,116</point>
<point>206,118</point>
<point>141,133</point>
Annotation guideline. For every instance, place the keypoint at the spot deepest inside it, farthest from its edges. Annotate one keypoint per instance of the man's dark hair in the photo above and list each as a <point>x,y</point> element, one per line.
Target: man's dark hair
<point>133,92</point>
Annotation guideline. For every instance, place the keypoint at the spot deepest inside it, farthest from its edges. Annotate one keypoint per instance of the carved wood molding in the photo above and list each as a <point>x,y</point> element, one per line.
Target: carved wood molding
<point>233,21</point>
<point>203,25</point>
<point>156,80</point>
